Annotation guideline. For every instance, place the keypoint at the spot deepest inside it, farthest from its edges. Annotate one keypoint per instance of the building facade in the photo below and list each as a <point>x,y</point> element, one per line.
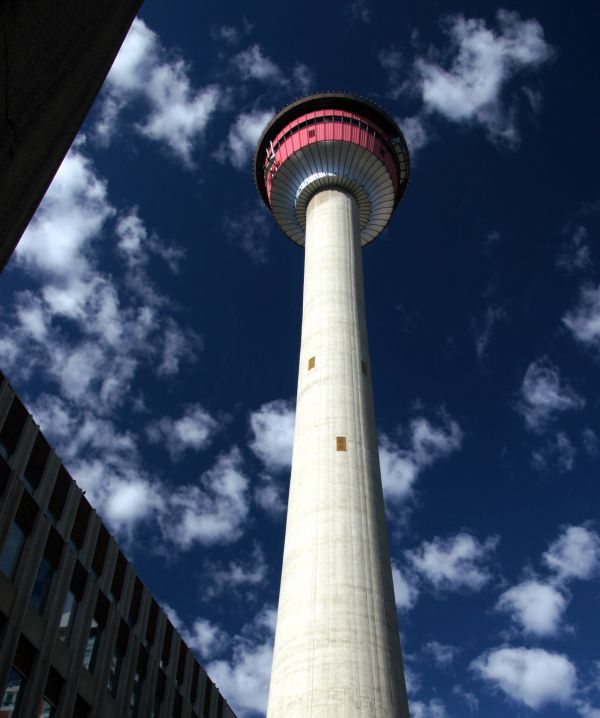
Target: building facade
<point>54,58</point>
<point>332,167</point>
<point>80,634</point>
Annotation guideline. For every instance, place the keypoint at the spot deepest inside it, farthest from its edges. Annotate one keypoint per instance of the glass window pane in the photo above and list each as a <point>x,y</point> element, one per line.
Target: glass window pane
<point>68,616</point>
<point>42,585</point>
<point>11,551</point>
<point>47,710</point>
<point>136,694</point>
<point>13,693</point>
<point>91,648</point>
<point>115,670</point>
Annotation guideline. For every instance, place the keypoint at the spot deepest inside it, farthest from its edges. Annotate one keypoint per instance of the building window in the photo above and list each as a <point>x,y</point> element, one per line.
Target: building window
<point>363,366</point>
<point>194,684</point>
<point>181,663</point>
<point>151,625</point>
<point>340,443</point>
<point>166,650</point>
<point>68,617</point>
<point>41,587</point>
<point>37,461</point>
<point>159,694</point>
<point>47,710</point>
<point>81,709</point>
<point>52,692</point>
<point>100,551</point>
<point>59,493</point>
<point>13,694</point>
<point>11,431</point>
<point>48,565</point>
<point>116,586</point>
<point>136,599</point>
<point>115,671</point>
<point>81,523</point>
<point>136,696</point>
<point>97,626</point>
<point>4,475</point>
<point>117,658</point>
<point>207,697</point>
<point>11,551</point>
<point>311,363</point>
<point>177,705</point>
<point>91,647</point>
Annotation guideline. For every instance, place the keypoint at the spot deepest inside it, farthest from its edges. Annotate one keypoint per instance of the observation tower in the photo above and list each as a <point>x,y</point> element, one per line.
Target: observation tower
<point>332,167</point>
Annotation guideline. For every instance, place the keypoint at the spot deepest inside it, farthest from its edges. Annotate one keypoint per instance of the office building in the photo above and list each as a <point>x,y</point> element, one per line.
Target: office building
<point>54,57</point>
<point>80,634</point>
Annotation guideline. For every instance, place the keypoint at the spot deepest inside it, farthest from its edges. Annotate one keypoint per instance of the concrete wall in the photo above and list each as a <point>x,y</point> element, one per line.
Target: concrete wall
<point>337,650</point>
<point>54,57</point>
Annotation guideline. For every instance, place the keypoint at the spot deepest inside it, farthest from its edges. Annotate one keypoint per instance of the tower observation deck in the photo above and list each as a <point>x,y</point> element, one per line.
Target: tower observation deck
<point>332,167</point>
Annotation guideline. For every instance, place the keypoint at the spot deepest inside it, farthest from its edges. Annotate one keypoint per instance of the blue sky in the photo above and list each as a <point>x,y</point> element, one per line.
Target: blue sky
<point>152,325</point>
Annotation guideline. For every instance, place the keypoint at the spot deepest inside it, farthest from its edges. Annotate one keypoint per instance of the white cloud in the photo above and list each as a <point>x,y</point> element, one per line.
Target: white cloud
<point>89,331</point>
<point>411,676</point>
<point>431,709</point>
<point>244,679</point>
<point>250,231</point>
<point>193,431</point>
<point>392,61</point>
<point>415,133</point>
<point>176,113</point>
<point>454,563</point>
<point>484,61</point>
<point>575,254</point>
<point>136,244</point>
<point>215,511</point>
<point>237,575</point>
<point>104,461</point>
<point>178,347</point>
<point>406,590</point>
<point>206,638</point>
<point>270,495</point>
<point>483,332</point>
<point>586,710</point>
<point>442,654</point>
<point>591,444</point>
<point>272,428</point>
<point>529,675</point>
<point>252,64</point>
<point>226,33</point>
<point>470,698</point>
<point>544,395</point>
<point>358,11</point>
<point>400,468</point>
<point>302,77</point>
<point>243,135</point>
<point>536,607</point>
<point>584,320</point>
<point>574,554</point>
<point>557,453</point>
<point>88,334</point>
<point>68,224</point>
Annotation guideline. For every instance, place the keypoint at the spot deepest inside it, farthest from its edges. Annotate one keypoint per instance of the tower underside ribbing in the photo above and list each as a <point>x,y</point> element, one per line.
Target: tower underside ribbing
<point>337,650</point>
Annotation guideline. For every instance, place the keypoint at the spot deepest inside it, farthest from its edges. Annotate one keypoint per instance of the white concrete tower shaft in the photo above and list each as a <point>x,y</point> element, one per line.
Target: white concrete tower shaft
<point>337,652</point>
<point>332,167</point>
